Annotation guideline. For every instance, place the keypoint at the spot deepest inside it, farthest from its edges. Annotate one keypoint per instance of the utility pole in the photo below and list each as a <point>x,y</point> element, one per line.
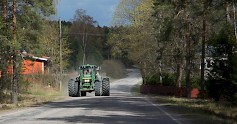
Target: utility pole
<point>84,40</point>
<point>84,54</point>
<point>60,50</point>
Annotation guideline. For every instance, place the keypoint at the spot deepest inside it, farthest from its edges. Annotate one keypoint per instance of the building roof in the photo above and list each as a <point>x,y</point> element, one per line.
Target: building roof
<point>24,54</point>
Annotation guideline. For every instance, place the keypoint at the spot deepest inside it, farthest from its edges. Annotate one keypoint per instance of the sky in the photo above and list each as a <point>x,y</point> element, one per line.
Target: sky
<point>100,10</point>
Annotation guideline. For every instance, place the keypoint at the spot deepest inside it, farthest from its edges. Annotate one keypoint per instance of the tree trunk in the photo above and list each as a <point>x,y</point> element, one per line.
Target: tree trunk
<point>144,73</point>
<point>15,62</point>
<point>14,20</point>
<point>234,20</point>
<point>179,79</point>
<point>4,3</point>
<point>160,70</point>
<point>228,19</point>
<point>179,74</point>
<point>203,48</point>
<point>188,69</point>
<point>187,47</point>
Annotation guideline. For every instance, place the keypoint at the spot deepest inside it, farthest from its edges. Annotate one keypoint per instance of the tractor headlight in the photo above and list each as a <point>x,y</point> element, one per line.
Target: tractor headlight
<point>87,80</point>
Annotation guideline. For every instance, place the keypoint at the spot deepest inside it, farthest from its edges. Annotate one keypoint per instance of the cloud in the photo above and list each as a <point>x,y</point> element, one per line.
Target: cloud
<point>100,10</point>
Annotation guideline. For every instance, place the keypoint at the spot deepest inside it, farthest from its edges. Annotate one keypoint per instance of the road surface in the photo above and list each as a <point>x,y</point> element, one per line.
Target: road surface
<point>119,108</point>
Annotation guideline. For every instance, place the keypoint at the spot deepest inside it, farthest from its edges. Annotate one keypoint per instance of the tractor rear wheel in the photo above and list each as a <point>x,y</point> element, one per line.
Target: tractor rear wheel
<point>105,87</point>
<point>73,90</point>
<point>98,88</point>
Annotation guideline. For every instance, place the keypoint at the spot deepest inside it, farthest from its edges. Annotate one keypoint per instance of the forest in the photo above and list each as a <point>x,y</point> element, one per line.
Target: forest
<point>183,43</point>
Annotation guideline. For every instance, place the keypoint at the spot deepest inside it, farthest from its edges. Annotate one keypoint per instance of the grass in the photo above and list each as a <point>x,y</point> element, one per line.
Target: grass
<point>136,89</point>
<point>201,111</point>
<point>196,110</point>
<point>36,95</point>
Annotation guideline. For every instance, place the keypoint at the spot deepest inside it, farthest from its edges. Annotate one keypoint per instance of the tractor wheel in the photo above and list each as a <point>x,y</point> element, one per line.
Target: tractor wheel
<point>73,90</point>
<point>98,88</point>
<point>83,93</point>
<point>105,87</point>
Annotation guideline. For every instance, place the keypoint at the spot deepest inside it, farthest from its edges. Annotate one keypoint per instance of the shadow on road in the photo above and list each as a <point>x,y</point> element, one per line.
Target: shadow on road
<point>109,110</point>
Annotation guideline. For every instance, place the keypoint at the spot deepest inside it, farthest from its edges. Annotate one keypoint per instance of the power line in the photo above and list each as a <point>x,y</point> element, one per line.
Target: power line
<point>91,34</point>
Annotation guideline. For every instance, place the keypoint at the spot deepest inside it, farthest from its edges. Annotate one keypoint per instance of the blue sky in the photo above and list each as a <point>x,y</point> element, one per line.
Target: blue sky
<point>100,10</point>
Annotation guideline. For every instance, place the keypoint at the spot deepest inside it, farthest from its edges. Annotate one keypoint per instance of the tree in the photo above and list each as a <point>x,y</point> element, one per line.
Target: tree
<point>15,62</point>
<point>125,12</point>
<point>132,32</point>
<point>24,17</point>
<point>86,40</point>
<point>5,11</point>
<point>222,77</point>
<point>168,25</point>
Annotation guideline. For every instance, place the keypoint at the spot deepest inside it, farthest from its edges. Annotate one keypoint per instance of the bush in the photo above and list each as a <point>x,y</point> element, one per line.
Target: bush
<point>195,82</point>
<point>24,86</point>
<point>153,79</point>
<point>114,69</point>
<point>169,79</point>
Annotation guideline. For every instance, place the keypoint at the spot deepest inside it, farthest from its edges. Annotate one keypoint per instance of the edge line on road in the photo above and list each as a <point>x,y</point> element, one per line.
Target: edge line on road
<point>166,113</point>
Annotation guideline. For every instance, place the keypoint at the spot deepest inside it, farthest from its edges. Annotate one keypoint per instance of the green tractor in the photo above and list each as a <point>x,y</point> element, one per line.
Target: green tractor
<point>89,80</point>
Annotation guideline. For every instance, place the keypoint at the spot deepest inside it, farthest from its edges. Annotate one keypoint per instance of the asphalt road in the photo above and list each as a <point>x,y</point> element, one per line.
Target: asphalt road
<point>119,108</point>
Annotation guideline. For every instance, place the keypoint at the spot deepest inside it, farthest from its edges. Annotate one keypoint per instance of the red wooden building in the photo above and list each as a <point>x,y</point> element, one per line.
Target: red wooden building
<point>36,65</point>
<point>32,65</point>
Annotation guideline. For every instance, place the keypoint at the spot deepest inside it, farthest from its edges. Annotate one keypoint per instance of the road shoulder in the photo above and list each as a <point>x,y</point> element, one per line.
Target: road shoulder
<point>185,115</point>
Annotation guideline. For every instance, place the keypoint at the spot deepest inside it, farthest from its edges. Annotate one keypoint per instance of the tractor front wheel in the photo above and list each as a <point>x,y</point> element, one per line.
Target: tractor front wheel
<point>105,87</point>
<point>73,88</point>
<point>98,88</point>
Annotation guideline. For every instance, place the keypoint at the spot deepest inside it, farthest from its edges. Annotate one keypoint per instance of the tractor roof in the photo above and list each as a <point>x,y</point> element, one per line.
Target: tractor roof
<point>88,65</point>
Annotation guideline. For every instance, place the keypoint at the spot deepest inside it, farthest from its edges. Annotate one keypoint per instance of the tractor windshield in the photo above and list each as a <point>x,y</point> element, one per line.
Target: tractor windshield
<point>87,71</point>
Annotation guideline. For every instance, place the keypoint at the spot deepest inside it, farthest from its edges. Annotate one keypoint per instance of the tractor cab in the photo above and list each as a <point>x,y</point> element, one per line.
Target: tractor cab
<point>87,70</point>
<point>87,76</point>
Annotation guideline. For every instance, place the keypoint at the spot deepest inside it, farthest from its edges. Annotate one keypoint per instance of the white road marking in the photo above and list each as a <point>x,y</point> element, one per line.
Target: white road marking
<point>166,113</point>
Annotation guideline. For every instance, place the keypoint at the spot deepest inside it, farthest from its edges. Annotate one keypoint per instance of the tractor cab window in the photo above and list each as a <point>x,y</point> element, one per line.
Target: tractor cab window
<point>87,71</point>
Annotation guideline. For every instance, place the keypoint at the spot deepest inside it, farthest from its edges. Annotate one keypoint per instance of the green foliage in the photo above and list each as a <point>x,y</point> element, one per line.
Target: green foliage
<point>132,36</point>
<point>169,79</point>
<point>34,35</point>
<point>84,37</point>
<point>24,86</point>
<point>94,57</point>
<point>153,79</point>
<point>195,81</point>
<point>222,77</point>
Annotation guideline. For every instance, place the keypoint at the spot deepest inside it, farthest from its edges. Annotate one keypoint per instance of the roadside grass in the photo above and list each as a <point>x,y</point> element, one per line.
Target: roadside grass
<point>216,112</point>
<point>196,110</point>
<point>36,95</point>
<point>135,90</point>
